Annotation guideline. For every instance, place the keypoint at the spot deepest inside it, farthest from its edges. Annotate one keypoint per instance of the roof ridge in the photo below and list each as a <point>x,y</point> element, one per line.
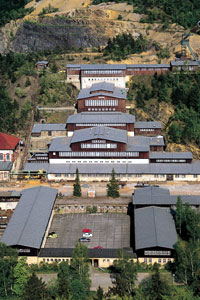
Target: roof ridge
<point>155,225</point>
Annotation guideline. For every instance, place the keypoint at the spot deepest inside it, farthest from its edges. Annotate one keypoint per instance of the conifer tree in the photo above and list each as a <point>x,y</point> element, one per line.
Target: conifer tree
<point>77,186</point>
<point>113,186</point>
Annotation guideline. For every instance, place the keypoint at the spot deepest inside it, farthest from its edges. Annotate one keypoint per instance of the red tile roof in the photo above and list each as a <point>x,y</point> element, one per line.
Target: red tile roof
<point>8,142</point>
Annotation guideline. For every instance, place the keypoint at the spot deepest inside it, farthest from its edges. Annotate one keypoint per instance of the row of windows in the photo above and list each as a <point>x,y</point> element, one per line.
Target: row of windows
<point>160,260</point>
<point>2,156</point>
<point>171,160</point>
<point>102,72</point>
<point>147,129</point>
<point>98,146</point>
<point>101,109</point>
<point>101,102</point>
<point>107,175</point>
<point>155,252</point>
<point>98,154</point>
<point>101,124</point>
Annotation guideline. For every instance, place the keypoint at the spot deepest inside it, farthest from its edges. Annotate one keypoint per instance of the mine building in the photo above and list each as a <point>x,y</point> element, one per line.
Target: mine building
<point>102,97</point>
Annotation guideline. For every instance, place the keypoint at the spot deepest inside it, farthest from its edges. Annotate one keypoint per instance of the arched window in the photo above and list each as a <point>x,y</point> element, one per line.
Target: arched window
<point>8,156</point>
<point>1,156</point>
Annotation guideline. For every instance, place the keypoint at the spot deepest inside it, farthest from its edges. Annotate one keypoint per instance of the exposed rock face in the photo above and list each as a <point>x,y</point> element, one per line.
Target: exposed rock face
<point>54,33</point>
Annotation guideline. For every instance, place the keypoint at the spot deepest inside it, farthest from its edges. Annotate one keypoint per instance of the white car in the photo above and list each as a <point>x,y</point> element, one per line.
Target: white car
<point>87,234</point>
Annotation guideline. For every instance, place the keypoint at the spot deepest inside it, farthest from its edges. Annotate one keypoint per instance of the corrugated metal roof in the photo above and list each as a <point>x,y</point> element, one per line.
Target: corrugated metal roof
<point>159,196</point>
<point>6,165</point>
<point>73,66</point>
<point>30,219</point>
<point>37,128</point>
<point>154,227</point>
<point>148,124</point>
<point>101,117</point>
<point>170,155</point>
<point>90,93</point>
<point>105,133</point>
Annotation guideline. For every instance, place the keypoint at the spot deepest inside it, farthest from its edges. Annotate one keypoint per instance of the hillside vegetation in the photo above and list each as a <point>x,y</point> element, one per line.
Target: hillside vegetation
<point>182,93</point>
<point>185,13</point>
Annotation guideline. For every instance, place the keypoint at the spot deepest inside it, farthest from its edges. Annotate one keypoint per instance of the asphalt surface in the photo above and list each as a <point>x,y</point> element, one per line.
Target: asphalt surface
<point>108,230</point>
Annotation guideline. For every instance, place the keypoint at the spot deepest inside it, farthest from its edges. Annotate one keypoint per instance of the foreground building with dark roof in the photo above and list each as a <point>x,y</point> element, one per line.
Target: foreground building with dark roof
<point>155,235</point>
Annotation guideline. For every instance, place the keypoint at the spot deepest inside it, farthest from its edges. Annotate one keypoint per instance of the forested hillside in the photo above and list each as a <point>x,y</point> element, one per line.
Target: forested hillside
<point>185,13</point>
<point>12,10</point>
<point>182,92</point>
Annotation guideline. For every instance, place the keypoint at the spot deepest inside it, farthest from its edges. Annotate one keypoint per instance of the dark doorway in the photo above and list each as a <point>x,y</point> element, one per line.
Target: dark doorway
<point>96,263</point>
<point>169,177</point>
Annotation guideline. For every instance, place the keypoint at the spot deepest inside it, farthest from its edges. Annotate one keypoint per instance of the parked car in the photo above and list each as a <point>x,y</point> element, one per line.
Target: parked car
<point>84,239</point>
<point>86,230</point>
<point>87,235</point>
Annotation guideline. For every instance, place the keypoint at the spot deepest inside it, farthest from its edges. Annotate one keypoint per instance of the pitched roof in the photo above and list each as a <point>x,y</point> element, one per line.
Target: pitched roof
<point>101,118</point>
<point>144,141</point>
<point>60,144</point>
<point>183,63</point>
<point>6,165</point>
<point>106,133</point>
<point>156,66</point>
<point>102,89</point>
<point>125,168</point>
<point>159,196</point>
<point>154,227</point>
<point>170,155</point>
<point>148,124</point>
<point>30,219</point>
<point>37,128</point>
<point>92,253</point>
<point>103,67</point>
<point>8,142</point>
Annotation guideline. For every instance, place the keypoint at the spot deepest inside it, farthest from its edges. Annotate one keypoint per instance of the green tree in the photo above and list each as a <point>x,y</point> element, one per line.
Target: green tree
<point>77,186</point>
<point>21,275</point>
<point>78,290</point>
<point>179,216</point>
<point>99,293</point>
<point>54,68</point>
<point>125,275</point>
<point>113,186</point>
<point>80,265</point>
<point>8,260</point>
<point>35,289</point>
<point>64,280</point>
<point>156,286</point>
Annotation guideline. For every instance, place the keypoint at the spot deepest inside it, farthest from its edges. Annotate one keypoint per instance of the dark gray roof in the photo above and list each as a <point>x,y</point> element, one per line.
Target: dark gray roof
<point>108,87</point>
<point>101,118</point>
<point>157,66</point>
<point>60,144</point>
<point>106,168</point>
<point>6,165</point>
<point>154,227</point>
<point>159,196</point>
<point>92,253</point>
<point>105,133</point>
<point>103,67</point>
<point>170,155</point>
<point>36,166</point>
<point>183,63</point>
<point>30,219</point>
<point>37,128</point>
<point>145,141</point>
<point>148,124</point>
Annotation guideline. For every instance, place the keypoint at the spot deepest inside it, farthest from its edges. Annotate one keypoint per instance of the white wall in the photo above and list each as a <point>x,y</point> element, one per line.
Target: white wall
<point>97,161</point>
<point>87,82</point>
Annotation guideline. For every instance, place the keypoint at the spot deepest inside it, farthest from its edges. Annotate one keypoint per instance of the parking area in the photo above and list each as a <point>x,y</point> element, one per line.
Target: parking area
<point>108,230</point>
